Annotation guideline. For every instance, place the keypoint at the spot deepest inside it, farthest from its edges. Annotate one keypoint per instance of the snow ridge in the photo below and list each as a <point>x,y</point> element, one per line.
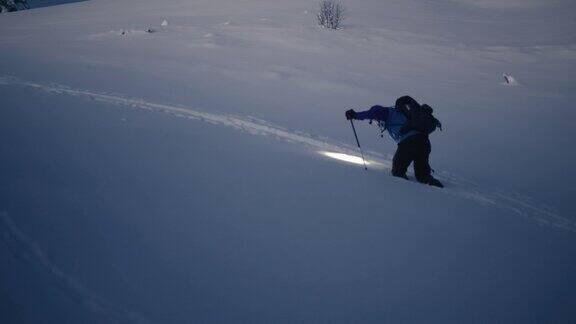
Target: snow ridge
<point>24,248</point>
<point>456,186</point>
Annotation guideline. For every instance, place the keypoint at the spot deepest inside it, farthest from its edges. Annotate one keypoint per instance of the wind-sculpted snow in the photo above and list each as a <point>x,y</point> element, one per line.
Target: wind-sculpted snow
<point>513,203</point>
<point>24,248</point>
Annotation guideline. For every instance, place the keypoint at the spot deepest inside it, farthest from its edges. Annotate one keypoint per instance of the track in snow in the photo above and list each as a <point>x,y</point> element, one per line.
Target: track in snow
<point>456,186</point>
<point>24,248</point>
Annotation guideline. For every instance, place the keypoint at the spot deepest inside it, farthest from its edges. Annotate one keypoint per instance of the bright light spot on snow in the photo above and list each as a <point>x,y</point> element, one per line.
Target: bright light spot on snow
<point>344,157</point>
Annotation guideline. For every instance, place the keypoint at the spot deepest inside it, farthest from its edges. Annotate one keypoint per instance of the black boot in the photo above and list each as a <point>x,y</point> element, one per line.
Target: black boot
<point>434,182</point>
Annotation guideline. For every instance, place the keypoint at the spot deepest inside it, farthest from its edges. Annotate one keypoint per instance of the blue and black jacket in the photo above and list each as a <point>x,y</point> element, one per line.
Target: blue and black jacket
<point>392,119</point>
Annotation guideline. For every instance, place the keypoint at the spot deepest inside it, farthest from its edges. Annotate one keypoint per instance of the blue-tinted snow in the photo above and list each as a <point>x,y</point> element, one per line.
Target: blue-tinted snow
<point>174,176</point>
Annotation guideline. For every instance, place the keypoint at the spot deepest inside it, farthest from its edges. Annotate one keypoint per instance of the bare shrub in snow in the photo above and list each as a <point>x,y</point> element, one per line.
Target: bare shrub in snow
<point>331,14</point>
<point>7,5</point>
<point>13,5</point>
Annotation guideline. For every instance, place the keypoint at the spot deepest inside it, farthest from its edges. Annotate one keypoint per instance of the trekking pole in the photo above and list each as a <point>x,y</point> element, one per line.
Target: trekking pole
<point>358,142</point>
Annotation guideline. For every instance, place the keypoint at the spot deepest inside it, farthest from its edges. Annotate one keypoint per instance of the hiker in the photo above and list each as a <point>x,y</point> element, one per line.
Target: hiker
<point>409,124</point>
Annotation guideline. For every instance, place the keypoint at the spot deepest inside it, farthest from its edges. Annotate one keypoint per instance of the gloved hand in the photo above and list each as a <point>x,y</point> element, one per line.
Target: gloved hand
<point>350,114</point>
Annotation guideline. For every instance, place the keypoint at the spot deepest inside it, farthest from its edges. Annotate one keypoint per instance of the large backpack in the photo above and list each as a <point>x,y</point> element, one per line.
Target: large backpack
<point>419,117</point>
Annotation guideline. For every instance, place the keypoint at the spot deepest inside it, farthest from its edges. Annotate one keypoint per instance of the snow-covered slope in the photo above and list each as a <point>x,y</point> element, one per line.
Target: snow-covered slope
<point>181,175</point>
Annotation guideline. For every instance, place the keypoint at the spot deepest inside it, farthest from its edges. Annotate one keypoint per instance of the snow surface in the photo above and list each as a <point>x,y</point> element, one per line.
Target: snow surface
<point>195,174</point>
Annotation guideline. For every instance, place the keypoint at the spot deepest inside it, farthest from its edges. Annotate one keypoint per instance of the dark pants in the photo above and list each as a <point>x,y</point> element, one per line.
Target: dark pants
<point>415,149</point>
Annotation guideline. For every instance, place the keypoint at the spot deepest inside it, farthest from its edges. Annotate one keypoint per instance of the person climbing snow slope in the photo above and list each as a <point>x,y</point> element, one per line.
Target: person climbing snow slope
<point>409,124</point>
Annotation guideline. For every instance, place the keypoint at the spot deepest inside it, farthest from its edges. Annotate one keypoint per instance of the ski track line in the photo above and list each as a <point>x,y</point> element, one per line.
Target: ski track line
<point>24,248</point>
<point>251,125</point>
<point>462,188</point>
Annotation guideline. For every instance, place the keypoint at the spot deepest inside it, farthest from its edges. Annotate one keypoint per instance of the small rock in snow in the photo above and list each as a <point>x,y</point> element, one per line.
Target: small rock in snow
<point>509,80</point>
